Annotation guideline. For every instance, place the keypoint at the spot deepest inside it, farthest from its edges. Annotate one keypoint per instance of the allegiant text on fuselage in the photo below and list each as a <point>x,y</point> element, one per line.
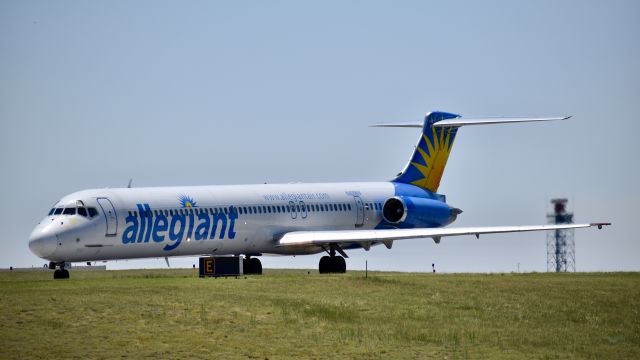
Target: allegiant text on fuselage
<point>147,225</point>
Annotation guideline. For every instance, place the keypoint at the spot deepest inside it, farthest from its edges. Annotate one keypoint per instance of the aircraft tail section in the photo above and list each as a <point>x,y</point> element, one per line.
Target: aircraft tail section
<point>430,157</point>
<point>439,129</point>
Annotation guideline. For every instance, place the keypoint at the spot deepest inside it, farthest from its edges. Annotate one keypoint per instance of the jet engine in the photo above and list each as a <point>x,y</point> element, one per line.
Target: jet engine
<point>409,211</point>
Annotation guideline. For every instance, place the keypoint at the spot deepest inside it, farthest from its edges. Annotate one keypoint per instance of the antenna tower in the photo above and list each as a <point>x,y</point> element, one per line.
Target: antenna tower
<point>561,248</point>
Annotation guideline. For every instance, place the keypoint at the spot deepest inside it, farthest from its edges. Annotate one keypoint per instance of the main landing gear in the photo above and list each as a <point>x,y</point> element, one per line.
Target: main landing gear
<point>333,263</point>
<point>252,266</point>
<point>61,272</point>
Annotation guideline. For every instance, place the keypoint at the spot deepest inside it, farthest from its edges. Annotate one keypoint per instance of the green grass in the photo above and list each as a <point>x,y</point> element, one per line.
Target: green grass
<point>292,314</point>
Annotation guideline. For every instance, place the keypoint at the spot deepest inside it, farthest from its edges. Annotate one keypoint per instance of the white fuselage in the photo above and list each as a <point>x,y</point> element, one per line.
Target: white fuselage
<point>203,220</point>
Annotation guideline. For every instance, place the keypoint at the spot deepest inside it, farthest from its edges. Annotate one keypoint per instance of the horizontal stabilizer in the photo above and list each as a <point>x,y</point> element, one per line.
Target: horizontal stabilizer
<point>400,125</point>
<point>486,121</point>
<point>460,121</point>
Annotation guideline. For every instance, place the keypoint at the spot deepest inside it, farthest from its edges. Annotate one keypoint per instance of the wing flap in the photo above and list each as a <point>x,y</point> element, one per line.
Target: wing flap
<point>306,238</point>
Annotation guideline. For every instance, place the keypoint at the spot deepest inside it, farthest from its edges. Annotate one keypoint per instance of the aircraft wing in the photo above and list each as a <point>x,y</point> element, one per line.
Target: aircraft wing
<point>386,236</point>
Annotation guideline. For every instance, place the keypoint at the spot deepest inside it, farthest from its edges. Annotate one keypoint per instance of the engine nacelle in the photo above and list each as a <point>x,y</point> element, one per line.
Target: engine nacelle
<point>408,211</point>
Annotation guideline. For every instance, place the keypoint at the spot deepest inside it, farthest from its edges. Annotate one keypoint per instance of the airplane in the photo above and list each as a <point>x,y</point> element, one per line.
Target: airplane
<point>284,219</point>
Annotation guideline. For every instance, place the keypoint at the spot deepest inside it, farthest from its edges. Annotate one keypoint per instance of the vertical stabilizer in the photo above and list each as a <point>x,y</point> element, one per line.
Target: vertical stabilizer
<point>427,163</point>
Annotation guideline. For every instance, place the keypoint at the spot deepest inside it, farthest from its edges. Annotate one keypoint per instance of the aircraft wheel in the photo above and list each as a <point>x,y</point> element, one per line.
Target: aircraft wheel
<point>325,265</point>
<point>58,274</point>
<point>256,266</point>
<point>340,265</point>
<point>65,273</point>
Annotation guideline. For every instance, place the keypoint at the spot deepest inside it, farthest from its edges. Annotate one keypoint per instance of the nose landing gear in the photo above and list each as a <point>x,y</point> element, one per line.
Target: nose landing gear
<point>61,272</point>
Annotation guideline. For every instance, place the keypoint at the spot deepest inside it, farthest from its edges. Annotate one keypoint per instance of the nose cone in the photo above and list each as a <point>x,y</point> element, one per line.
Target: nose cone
<point>42,244</point>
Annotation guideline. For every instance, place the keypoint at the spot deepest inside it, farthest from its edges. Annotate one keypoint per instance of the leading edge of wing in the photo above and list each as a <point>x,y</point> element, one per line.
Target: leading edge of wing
<point>305,238</point>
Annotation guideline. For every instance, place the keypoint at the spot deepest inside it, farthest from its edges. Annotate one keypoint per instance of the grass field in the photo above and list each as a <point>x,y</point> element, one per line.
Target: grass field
<point>293,314</point>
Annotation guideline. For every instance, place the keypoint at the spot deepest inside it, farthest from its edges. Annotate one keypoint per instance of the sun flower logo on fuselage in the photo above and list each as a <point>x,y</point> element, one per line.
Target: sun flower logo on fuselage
<point>187,202</point>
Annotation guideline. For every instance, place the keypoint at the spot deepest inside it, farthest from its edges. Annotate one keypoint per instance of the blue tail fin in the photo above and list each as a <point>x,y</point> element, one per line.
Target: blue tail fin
<point>432,152</point>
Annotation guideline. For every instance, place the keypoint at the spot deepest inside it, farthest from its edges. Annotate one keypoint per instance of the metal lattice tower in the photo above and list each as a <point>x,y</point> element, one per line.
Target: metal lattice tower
<point>561,255</point>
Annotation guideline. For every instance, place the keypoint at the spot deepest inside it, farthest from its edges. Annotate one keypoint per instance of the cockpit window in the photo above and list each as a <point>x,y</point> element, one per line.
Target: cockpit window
<point>69,211</point>
<point>58,211</point>
<point>92,211</point>
<point>82,211</point>
<point>51,211</point>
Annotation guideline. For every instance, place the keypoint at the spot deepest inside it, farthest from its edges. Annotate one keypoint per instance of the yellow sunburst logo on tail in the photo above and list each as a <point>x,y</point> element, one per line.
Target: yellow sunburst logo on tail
<point>435,155</point>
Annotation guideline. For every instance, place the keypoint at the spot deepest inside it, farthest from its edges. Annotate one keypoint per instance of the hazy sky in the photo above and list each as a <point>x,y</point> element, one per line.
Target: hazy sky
<point>93,93</point>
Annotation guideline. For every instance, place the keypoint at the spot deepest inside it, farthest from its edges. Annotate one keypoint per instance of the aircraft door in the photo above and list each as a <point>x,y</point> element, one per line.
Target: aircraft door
<point>359,211</point>
<point>292,207</point>
<point>303,210</point>
<point>109,215</point>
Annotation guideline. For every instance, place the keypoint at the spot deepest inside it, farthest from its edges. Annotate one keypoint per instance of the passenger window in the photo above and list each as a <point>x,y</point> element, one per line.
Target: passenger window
<point>82,211</point>
<point>92,211</point>
<point>69,211</point>
<point>349,207</point>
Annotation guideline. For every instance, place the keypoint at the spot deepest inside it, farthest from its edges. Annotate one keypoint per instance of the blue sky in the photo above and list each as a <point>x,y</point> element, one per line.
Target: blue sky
<point>196,93</point>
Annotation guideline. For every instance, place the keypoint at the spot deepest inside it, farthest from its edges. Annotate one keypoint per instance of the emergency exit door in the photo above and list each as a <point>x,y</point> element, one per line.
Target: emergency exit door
<point>109,215</point>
